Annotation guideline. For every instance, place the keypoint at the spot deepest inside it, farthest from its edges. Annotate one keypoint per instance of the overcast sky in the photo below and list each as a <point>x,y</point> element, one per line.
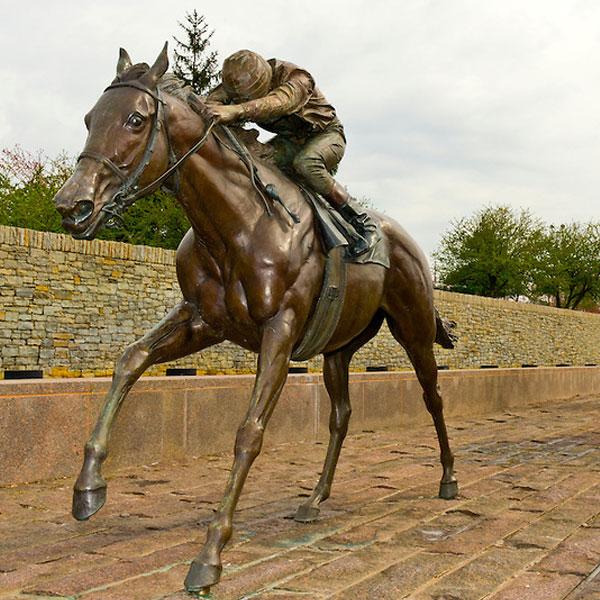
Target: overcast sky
<point>448,105</point>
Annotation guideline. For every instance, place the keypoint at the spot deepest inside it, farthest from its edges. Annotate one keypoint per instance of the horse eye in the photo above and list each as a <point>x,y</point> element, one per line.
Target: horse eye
<point>135,120</point>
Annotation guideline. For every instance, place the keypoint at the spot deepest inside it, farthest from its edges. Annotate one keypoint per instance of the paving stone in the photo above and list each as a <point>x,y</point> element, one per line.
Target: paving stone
<point>342,571</point>
<point>27,555</point>
<point>579,554</point>
<point>534,586</point>
<point>114,572</point>
<point>47,571</point>
<point>554,526</point>
<point>150,542</point>
<point>527,514</point>
<point>480,575</point>
<point>382,528</point>
<point>286,595</point>
<point>588,590</point>
<point>146,587</point>
<point>266,573</point>
<point>482,534</point>
<point>401,579</point>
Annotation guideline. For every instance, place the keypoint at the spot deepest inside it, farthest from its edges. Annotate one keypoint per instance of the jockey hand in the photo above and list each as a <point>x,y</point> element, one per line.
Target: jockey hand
<point>225,114</point>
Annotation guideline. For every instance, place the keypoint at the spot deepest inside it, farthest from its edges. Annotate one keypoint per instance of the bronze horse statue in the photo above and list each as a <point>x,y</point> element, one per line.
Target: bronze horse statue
<point>245,276</point>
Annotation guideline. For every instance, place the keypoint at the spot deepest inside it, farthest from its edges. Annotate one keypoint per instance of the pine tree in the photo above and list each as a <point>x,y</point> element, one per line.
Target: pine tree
<point>193,63</point>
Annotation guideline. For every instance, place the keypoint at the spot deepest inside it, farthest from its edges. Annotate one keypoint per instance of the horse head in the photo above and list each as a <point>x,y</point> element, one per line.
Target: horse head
<point>125,150</point>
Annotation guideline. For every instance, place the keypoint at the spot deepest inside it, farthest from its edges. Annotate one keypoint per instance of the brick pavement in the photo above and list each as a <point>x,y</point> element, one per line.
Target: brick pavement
<point>526,524</point>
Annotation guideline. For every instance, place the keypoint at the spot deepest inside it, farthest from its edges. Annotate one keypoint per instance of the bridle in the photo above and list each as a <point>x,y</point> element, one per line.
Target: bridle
<point>129,191</point>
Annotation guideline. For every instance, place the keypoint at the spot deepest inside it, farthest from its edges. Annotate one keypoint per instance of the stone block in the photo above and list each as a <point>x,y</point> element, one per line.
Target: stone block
<point>46,432</point>
<point>214,409</point>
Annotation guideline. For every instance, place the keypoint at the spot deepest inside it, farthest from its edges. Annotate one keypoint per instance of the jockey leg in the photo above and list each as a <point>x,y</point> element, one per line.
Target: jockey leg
<point>317,158</point>
<point>361,221</point>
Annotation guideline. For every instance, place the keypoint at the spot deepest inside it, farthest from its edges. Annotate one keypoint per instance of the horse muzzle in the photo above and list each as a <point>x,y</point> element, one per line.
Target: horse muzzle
<point>75,214</point>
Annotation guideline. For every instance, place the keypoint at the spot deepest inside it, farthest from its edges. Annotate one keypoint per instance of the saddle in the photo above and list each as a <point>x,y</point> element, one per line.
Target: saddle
<point>333,229</point>
<point>336,235</point>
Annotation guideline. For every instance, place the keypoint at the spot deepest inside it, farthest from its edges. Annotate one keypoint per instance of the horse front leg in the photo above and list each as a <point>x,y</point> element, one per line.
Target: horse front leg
<point>273,361</point>
<point>180,333</point>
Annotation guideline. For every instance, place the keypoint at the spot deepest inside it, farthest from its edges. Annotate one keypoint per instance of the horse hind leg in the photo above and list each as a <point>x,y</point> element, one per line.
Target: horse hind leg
<point>335,374</point>
<point>180,333</point>
<point>423,360</point>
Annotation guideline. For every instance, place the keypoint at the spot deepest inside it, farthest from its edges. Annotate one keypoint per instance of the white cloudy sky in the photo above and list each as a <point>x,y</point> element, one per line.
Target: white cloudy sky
<point>449,105</point>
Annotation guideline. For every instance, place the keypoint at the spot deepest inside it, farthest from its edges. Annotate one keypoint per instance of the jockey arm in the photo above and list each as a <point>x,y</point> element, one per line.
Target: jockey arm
<point>284,100</point>
<point>218,96</point>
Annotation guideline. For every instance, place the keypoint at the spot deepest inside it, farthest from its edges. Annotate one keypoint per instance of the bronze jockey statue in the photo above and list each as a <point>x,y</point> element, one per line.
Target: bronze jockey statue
<point>284,99</point>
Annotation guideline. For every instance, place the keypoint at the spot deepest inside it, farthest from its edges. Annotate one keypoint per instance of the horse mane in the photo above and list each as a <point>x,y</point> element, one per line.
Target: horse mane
<point>174,86</point>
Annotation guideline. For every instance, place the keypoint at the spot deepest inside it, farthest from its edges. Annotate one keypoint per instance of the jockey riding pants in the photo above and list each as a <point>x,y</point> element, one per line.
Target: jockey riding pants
<point>315,159</point>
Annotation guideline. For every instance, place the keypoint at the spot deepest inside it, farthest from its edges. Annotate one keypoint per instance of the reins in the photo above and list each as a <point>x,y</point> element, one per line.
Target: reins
<point>129,191</point>
<point>266,192</point>
<point>173,168</point>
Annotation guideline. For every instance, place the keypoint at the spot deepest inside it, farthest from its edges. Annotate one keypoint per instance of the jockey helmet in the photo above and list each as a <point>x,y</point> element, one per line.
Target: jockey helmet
<point>246,75</point>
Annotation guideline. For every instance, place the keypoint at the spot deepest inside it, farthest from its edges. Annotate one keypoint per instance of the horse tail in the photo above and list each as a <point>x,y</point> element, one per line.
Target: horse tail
<point>445,336</point>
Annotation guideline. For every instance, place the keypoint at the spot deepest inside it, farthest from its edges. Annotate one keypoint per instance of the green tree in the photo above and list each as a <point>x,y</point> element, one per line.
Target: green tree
<point>568,270</point>
<point>28,183</point>
<point>491,253</point>
<point>157,220</point>
<point>193,63</point>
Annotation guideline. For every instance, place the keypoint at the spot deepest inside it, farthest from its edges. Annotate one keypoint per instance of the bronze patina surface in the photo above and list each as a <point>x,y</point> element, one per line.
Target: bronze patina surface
<point>245,275</point>
<point>283,98</point>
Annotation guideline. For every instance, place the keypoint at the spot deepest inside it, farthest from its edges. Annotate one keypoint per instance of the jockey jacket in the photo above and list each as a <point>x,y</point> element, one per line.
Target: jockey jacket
<point>293,108</point>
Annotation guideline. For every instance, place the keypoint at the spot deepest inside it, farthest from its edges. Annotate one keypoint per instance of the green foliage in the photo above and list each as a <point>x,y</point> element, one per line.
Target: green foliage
<point>28,183</point>
<point>157,220</point>
<point>568,270</point>
<point>491,253</point>
<point>365,202</point>
<point>194,64</point>
<point>501,253</point>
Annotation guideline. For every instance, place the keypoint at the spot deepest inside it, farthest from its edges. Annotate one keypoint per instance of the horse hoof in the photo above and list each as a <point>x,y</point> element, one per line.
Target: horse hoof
<point>88,502</point>
<point>201,576</point>
<point>449,491</point>
<point>306,514</point>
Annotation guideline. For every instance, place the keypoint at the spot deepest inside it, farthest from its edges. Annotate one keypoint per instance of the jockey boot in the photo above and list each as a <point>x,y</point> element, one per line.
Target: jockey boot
<point>363,224</point>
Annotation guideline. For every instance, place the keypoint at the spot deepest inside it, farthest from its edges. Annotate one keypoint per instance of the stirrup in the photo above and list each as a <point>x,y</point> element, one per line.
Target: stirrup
<point>363,243</point>
<point>367,234</point>
<point>366,230</point>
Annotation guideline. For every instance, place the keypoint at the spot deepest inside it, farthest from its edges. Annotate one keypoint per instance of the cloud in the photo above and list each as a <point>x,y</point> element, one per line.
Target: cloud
<point>447,105</point>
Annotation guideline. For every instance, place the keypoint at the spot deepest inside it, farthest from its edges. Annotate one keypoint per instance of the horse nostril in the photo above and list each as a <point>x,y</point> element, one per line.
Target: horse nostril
<point>82,210</point>
<point>62,208</point>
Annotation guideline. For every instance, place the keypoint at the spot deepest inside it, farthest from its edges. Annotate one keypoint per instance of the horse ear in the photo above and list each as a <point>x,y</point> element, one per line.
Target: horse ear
<point>159,68</point>
<point>124,62</point>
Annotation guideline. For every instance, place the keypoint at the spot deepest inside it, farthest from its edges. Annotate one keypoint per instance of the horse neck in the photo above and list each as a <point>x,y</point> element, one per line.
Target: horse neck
<point>216,190</point>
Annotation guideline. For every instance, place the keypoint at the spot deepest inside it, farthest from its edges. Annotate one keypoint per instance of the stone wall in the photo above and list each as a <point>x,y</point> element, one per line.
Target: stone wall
<point>69,307</point>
